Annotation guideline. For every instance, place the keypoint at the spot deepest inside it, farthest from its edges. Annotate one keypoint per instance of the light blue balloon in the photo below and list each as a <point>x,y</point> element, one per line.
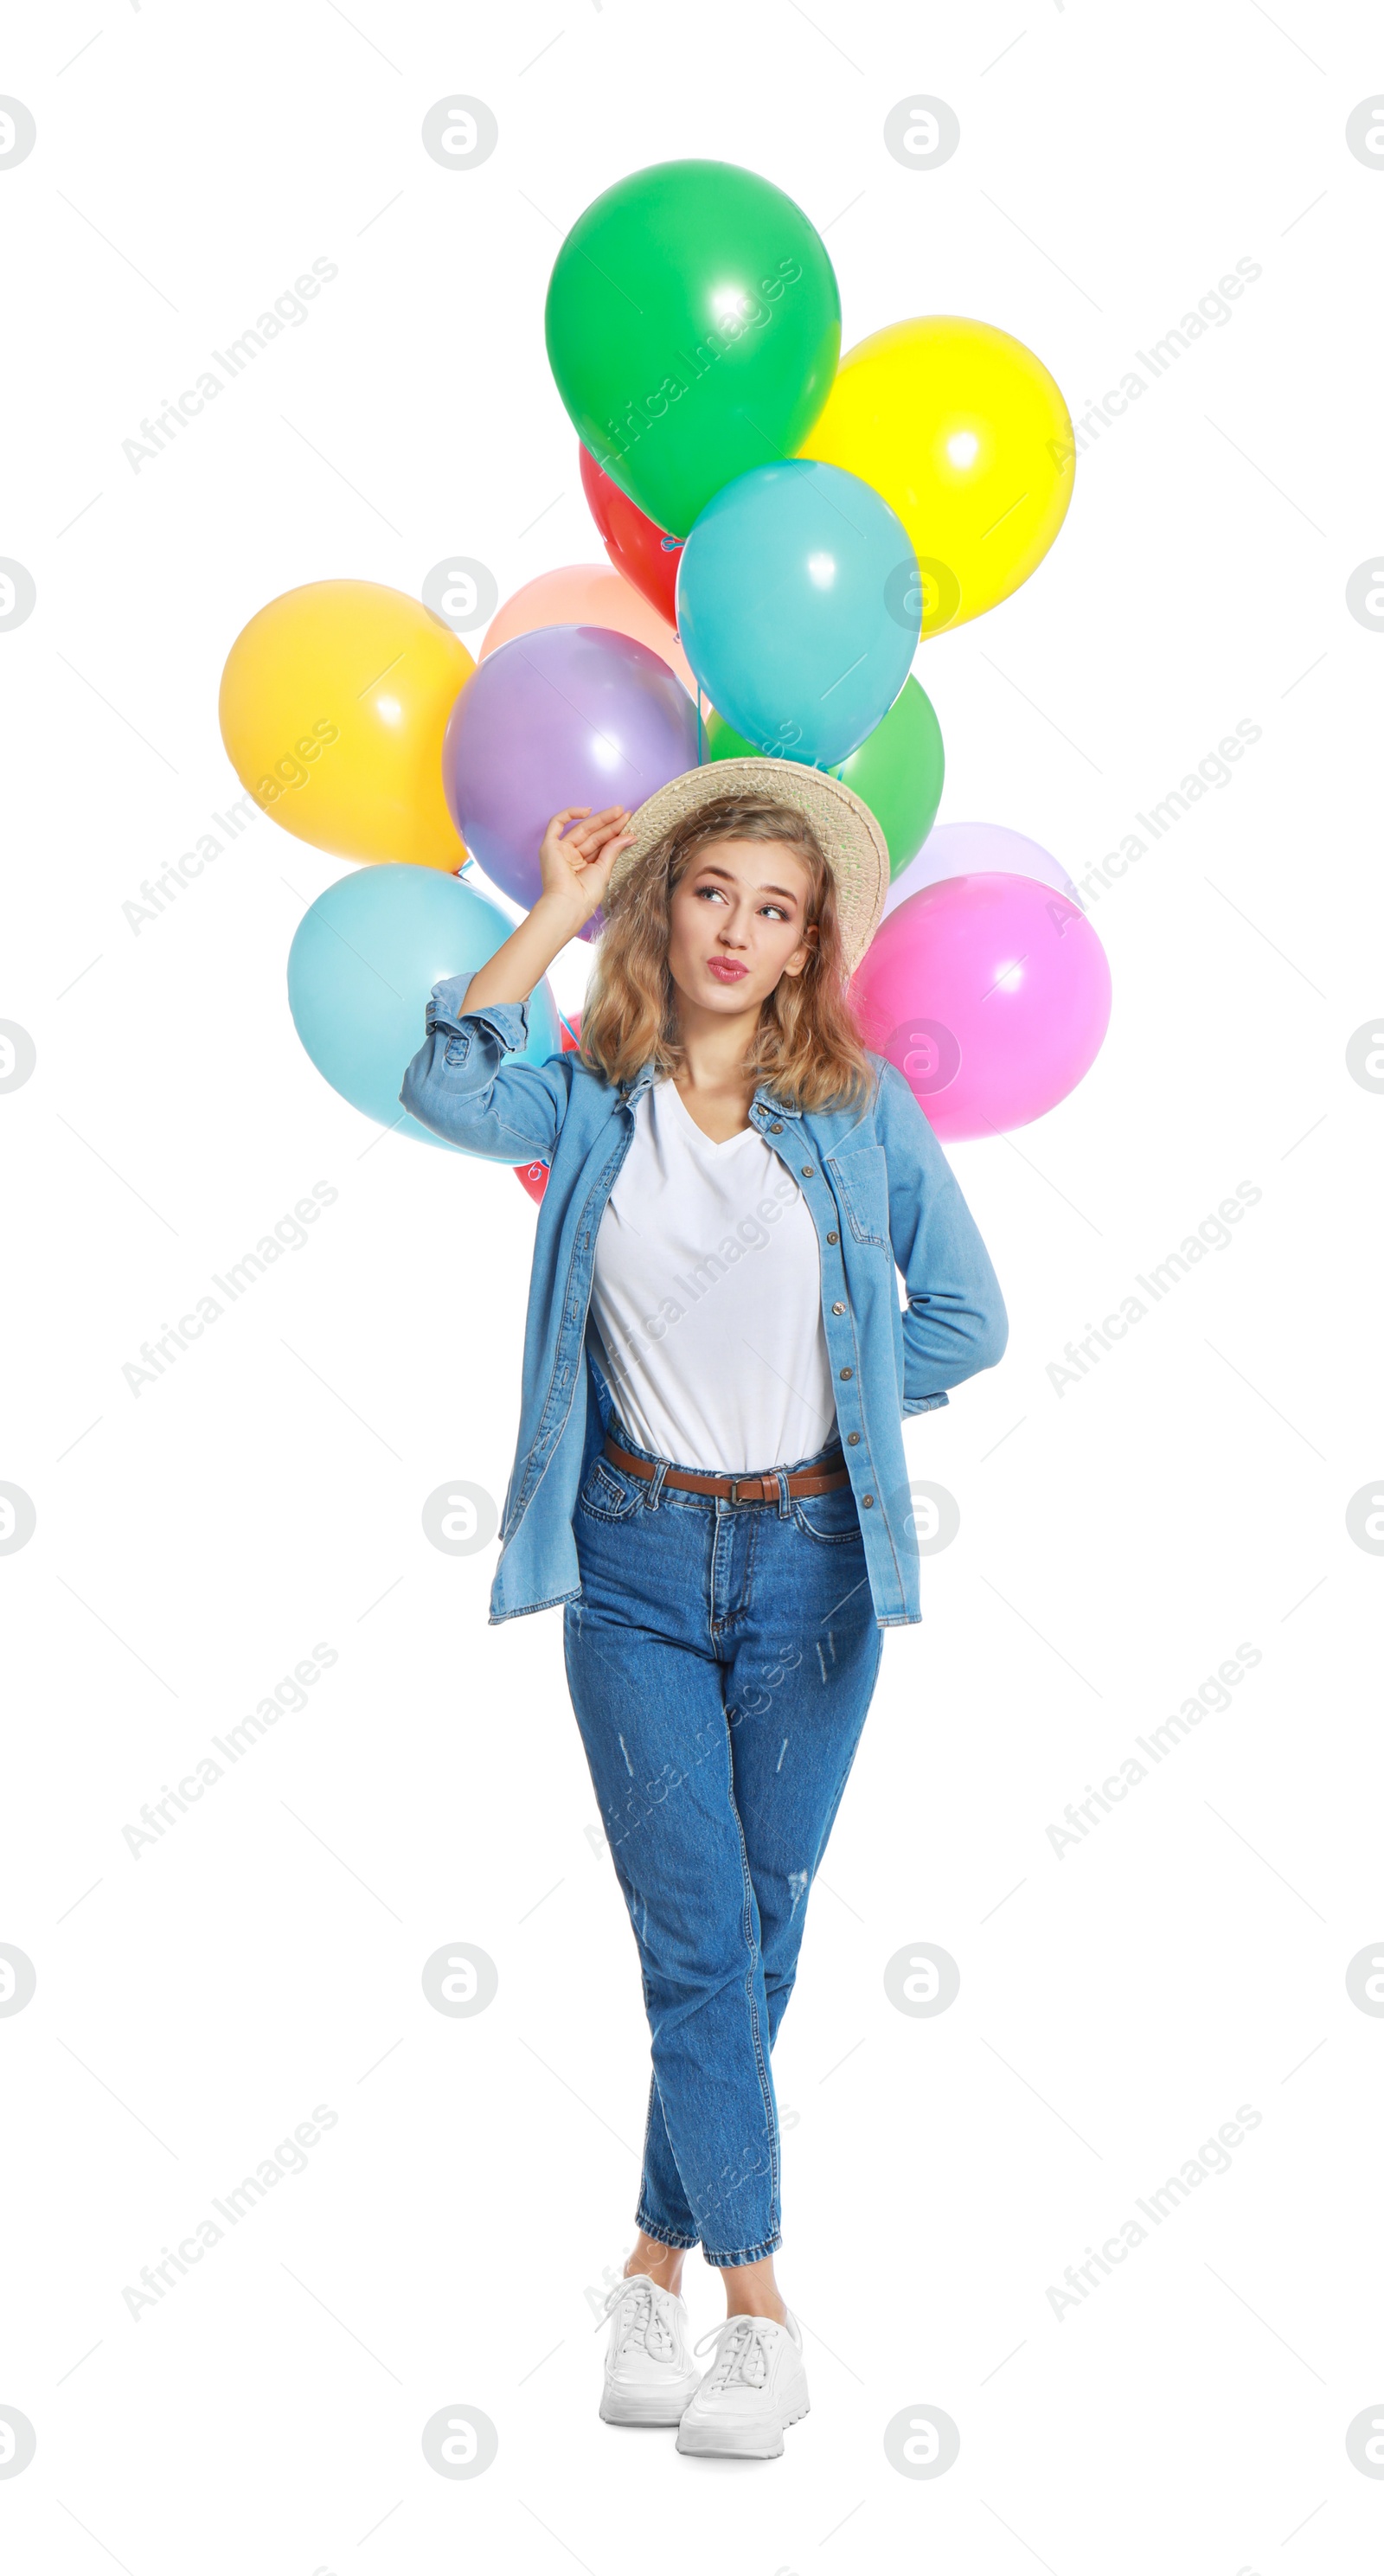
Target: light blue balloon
<point>364,960</point>
<point>799,608</point>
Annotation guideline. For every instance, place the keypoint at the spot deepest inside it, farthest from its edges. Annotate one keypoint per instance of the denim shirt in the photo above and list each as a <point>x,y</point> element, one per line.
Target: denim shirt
<point>882,1196</point>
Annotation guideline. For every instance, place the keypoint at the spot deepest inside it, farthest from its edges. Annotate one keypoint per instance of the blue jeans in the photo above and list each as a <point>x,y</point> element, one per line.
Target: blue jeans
<point>721,1662</point>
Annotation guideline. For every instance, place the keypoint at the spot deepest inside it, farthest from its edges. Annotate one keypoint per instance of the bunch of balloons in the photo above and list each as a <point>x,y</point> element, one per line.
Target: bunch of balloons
<point>783,526</point>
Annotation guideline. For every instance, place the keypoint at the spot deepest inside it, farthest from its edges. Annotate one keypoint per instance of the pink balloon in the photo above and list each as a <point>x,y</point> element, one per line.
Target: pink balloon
<point>588,595</point>
<point>975,850</point>
<point>991,994</point>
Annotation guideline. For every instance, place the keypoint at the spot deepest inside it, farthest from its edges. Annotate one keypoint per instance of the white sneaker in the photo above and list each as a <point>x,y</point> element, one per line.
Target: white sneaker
<point>650,2374</point>
<point>754,2387</point>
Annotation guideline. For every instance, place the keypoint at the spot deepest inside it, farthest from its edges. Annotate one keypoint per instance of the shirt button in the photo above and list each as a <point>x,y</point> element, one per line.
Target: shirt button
<point>848,1372</point>
<point>833,1237</point>
<point>867,1499</point>
<point>776,1127</point>
<point>807,1171</point>
<point>838,1308</point>
<point>851,1439</point>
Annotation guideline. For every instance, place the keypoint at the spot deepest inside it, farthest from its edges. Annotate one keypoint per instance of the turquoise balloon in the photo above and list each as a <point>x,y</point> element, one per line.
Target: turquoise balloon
<point>364,960</point>
<point>799,608</point>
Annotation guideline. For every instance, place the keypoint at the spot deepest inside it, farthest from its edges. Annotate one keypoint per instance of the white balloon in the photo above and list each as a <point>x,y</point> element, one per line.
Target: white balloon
<point>973,850</point>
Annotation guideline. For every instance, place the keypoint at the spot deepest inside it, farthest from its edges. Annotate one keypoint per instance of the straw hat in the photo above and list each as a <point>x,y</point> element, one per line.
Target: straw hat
<point>855,847</point>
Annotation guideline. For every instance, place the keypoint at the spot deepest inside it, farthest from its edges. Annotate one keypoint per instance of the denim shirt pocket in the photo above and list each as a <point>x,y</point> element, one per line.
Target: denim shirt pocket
<point>862,1186</point>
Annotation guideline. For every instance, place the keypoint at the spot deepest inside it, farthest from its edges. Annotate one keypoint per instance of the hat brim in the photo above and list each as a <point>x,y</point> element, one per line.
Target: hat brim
<point>855,847</point>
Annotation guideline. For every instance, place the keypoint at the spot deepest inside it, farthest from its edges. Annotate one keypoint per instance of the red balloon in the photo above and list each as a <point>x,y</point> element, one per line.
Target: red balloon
<point>635,546</point>
<point>533,1177</point>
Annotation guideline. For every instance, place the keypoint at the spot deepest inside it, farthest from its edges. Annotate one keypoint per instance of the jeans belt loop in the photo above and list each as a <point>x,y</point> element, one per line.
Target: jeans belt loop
<point>656,1487</point>
<point>785,1507</point>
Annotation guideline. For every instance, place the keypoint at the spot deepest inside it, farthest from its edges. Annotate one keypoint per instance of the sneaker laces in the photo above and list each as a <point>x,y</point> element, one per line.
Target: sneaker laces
<point>743,2359</point>
<point>646,2326</point>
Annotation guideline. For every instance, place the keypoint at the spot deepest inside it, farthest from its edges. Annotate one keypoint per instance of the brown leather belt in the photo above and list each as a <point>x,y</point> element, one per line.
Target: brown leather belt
<point>734,1489</point>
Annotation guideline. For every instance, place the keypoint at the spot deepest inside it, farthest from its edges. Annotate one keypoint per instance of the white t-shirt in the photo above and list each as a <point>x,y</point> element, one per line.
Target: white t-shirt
<point>707,1298</point>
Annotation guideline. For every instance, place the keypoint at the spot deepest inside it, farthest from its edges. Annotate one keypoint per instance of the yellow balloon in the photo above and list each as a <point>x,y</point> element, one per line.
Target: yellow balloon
<point>334,701</point>
<point>966,436</point>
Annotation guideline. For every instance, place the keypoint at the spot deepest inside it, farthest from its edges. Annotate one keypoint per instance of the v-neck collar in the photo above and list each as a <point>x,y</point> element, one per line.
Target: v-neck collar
<point>714,1144</point>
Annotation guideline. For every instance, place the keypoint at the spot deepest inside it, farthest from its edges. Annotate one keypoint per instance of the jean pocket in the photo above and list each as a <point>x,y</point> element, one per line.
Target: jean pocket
<point>608,1494</point>
<point>831,1518</point>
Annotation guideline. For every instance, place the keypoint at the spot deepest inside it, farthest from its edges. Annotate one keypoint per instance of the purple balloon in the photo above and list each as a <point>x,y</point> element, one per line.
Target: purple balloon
<point>566,715</point>
<point>976,850</point>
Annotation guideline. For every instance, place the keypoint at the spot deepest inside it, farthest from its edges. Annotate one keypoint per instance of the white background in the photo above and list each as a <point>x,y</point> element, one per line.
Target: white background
<point>1117,1542</point>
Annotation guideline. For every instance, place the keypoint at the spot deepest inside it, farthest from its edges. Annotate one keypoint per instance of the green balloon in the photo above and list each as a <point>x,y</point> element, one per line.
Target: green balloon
<point>694,325</point>
<point>897,770</point>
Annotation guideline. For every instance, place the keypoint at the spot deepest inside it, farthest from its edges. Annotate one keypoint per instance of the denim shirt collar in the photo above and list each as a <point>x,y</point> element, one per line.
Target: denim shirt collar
<point>764,1099</point>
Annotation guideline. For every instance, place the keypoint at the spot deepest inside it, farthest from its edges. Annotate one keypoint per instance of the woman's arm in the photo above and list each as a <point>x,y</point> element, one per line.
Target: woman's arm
<point>573,866</point>
<point>458,1083</point>
<point>955,1321</point>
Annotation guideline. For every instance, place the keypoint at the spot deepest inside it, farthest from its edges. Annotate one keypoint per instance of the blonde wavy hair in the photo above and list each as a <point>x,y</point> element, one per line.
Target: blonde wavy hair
<point>807,1046</point>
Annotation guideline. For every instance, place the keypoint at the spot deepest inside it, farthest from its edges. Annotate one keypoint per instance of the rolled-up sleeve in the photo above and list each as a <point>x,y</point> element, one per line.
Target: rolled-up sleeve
<point>955,1321</point>
<point>460,1085</point>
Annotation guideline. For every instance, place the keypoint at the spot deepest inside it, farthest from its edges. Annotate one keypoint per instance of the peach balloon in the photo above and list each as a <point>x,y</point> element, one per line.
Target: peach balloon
<point>588,595</point>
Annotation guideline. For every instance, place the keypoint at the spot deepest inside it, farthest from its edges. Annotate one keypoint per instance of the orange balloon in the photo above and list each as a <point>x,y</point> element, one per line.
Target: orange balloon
<point>588,595</point>
<point>334,702</point>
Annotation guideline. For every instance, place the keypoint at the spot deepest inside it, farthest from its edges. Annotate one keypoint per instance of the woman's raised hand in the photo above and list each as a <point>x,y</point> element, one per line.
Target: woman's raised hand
<point>575,863</point>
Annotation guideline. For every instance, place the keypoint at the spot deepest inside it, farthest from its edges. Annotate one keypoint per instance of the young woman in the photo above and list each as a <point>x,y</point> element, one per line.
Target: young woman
<point>710,1474</point>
